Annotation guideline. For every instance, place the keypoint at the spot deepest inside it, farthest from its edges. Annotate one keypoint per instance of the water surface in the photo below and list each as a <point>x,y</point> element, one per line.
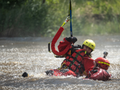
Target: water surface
<point>28,54</point>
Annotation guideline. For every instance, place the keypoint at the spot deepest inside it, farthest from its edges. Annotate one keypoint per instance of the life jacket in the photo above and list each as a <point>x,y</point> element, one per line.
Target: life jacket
<point>75,61</point>
<point>98,74</point>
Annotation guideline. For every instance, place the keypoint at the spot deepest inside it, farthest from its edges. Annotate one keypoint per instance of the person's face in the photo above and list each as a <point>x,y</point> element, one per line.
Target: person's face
<point>87,49</point>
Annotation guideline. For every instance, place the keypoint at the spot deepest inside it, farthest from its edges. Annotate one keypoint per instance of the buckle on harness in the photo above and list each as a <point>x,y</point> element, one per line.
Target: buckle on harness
<point>63,66</point>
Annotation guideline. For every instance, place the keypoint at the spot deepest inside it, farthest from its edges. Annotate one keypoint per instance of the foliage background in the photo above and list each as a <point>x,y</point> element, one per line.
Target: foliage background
<point>38,18</point>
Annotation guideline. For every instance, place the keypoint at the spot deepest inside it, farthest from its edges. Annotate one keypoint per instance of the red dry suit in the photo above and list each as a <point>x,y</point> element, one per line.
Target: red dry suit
<point>95,73</point>
<point>63,44</point>
<point>88,64</point>
<point>62,72</point>
<point>99,74</point>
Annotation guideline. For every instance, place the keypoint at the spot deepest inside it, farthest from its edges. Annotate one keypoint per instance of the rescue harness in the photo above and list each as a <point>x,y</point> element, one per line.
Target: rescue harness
<point>74,62</point>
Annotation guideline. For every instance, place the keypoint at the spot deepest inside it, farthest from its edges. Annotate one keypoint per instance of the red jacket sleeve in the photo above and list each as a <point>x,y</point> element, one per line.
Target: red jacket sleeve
<point>88,64</point>
<point>63,44</point>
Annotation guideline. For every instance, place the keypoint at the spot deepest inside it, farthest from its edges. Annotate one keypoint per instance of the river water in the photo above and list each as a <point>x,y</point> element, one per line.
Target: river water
<point>28,54</point>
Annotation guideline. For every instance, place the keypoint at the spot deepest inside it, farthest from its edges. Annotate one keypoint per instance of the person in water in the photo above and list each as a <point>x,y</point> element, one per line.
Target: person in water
<point>77,61</point>
<point>99,72</point>
<point>75,58</point>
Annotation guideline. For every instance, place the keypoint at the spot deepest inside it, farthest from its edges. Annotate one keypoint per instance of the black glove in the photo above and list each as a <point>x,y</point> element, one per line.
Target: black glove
<point>71,39</point>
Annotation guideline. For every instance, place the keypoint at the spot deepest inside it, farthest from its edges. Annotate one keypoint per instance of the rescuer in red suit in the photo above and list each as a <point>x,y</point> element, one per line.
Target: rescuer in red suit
<point>99,71</point>
<point>73,63</point>
<point>75,57</point>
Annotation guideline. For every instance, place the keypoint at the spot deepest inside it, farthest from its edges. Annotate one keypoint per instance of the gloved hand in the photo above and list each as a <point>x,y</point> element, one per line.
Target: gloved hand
<point>71,39</point>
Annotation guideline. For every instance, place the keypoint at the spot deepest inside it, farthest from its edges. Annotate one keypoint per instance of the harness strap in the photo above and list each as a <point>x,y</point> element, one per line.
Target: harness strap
<point>62,66</point>
<point>77,66</point>
<point>75,58</point>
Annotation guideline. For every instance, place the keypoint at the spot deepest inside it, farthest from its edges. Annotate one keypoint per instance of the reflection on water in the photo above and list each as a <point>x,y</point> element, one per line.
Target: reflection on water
<point>19,55</point>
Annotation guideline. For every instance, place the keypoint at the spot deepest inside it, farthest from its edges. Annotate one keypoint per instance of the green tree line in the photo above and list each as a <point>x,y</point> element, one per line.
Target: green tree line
<point>40,18</point>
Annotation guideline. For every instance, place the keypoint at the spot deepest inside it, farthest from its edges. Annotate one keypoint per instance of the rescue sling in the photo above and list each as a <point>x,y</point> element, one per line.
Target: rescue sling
<point>56,37</point>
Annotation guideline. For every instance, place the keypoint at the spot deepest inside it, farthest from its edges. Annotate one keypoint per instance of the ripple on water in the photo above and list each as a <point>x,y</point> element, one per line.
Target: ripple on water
<point>17,57</point>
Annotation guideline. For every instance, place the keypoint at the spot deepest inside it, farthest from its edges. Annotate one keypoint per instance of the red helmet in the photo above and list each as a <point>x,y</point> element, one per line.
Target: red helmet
<point>102,63</point>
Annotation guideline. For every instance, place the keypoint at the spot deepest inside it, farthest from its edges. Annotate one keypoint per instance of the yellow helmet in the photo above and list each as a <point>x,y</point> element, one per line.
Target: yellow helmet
<point>90,43</point>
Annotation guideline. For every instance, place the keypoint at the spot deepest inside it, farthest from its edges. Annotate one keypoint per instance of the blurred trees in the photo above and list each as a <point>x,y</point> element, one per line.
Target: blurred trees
<point>9,4</point>
<point>8,15</point>
<point>44,17</point>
